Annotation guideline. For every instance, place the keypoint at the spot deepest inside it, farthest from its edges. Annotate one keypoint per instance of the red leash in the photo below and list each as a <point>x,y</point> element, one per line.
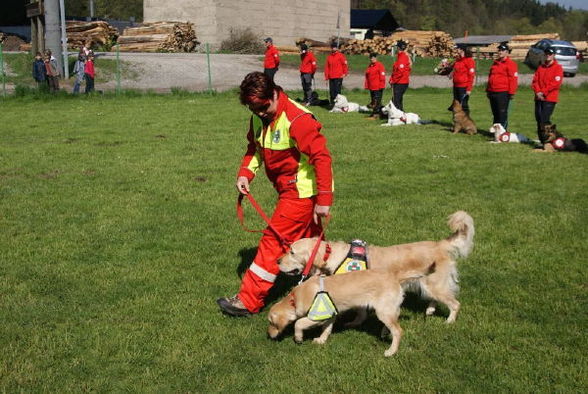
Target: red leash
<point>282,239</point>
<point>257,207</point>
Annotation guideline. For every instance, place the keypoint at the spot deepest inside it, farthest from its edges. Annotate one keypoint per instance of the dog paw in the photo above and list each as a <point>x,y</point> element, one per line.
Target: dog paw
<point>389,353</point>
<point>319,341</point>
<point>430,311</point>
<point>298,340</point>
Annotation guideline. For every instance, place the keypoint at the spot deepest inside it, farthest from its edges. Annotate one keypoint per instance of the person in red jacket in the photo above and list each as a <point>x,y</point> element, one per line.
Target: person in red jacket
<point>546,83</point>
<point>464,72</point>
<point>271,61</point>
<point>335,70</point>
<point>400,74</point>
<point>307,70</point>
<point>502,84</point>
<point>89,73</point>
<point>375,82</point>
<point>285,137</point>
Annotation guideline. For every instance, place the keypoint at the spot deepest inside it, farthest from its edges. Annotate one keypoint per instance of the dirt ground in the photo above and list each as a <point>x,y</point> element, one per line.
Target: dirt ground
<point>163,71</point>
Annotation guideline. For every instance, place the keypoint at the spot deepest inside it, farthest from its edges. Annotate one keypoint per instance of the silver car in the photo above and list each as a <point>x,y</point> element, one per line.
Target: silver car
<point>566,54</point>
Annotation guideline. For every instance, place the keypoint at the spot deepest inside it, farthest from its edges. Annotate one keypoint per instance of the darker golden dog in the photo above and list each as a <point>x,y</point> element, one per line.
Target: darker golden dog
<point>461,120</point>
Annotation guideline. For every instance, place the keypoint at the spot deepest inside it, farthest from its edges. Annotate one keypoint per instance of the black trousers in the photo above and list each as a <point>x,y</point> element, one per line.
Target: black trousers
<point>306,80</point>
<point>335,85</point>
<point>460,94</point>
<point>376,99</point>
<point>499,104</point>
<point>270,72</point>
<point>543,111</point>
<point>89,83</point>
<point>398,90</point>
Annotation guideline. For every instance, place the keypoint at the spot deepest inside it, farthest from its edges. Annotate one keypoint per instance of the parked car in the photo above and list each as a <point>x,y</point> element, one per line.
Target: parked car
<point>566,54</point>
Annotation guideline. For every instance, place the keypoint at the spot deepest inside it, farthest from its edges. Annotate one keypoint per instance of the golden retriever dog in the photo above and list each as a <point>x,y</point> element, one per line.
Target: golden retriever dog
<point>440,286</point>
<point>461,120</point>
<point>361,289</point>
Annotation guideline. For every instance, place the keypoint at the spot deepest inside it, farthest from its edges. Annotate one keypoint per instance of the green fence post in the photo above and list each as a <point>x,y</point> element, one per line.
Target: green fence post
<point>2,71</point>
<point>209,75</point>
<point>117,69</point>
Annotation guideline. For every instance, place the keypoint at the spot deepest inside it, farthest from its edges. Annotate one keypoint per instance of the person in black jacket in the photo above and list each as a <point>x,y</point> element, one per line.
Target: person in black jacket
<point>39,70</point>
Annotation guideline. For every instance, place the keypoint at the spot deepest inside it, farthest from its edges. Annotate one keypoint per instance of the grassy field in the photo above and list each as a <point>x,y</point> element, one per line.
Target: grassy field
<point>119,232</point>
<point>421,65</point>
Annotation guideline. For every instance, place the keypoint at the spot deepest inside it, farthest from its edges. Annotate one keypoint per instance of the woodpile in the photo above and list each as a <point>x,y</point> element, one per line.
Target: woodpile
<point>11,42</point>
<point>582,47</point>
<point>519,45</point>
<point>421,42</point>
<point>94,34</point>
<point>159,37</point>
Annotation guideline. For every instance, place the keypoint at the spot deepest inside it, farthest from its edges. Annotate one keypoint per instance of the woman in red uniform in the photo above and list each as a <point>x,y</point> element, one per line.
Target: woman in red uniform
<point>502,85</point>
<point>400,75</point>
<point>285,137</point>
<point>464,72</point>
<point>307,70</point>
<point>335,70</point>
<point>375,82</point>
<point>546,83</point>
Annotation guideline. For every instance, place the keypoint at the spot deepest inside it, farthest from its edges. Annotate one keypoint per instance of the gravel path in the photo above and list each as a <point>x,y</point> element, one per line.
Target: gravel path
<point>163,71</point>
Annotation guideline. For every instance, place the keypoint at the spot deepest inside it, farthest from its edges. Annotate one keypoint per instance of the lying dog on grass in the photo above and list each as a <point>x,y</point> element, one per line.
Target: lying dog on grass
<point>556,141</point>
<point>397,117</point>
<point>461,120</point>
<point>342,105</point>
<point>501,135</point>
<point>381,291</point>
<point>439,286</point>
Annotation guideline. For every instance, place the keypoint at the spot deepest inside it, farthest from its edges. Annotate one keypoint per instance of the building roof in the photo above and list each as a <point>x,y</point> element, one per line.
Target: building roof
<point>373,19</point>
<point>481,40</point>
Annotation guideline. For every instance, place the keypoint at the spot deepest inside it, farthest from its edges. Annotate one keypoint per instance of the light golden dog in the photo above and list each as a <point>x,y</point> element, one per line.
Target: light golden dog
<point>439,286</point>
<point>362,289</point>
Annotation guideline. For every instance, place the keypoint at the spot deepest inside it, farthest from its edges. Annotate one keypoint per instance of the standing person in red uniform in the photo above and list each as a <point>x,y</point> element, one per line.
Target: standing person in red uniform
<point>285,137</point>
<point>464,72</point>
<point>502,85</point>
<point>89,73</point>
<point>307,70</point>
<point>400,74</point>
<point>546,83</point>
<point>335,70</point>
<point>375,82</point>
<point>271,61</point>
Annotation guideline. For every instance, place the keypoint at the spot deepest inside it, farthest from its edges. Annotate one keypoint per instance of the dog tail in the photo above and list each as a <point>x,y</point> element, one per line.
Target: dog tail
<point>408,275</point>
<point>462,240</point>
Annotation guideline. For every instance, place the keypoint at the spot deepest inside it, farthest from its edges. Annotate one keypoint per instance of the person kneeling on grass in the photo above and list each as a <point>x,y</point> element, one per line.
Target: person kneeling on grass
<point>285,137</point>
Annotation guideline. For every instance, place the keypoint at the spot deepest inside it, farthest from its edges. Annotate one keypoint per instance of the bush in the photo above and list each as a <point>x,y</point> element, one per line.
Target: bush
<point>242,41</point>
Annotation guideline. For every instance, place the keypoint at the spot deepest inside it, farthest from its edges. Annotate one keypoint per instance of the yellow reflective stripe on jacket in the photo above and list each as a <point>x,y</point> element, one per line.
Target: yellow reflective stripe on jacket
<point>277,137</point>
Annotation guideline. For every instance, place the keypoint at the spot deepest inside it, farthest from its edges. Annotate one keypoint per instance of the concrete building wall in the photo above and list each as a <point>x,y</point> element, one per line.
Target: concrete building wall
<point>283,20</point>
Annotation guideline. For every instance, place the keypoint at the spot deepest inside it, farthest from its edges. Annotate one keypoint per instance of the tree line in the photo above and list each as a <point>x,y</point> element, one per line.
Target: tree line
<point>481,17</point>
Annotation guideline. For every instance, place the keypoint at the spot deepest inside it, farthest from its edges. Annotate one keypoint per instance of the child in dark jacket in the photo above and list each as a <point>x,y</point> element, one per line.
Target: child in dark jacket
<point>39,69</point>
<point>79,73</point>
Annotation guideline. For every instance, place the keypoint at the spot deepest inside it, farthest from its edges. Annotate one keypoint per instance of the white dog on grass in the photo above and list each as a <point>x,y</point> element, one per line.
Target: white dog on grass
<point>342,106</point>
<point>501,135</point>
<point>397,117</point>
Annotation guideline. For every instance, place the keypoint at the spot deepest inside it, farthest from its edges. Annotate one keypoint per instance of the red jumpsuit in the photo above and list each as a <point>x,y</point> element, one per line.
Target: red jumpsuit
<point>298,163</point>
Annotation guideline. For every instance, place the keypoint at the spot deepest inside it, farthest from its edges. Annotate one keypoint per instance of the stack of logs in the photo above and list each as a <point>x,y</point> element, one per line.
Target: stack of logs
<point>159,37</point>
<point>94,34</point>
<point>519,45</point>
<point>421,42</point>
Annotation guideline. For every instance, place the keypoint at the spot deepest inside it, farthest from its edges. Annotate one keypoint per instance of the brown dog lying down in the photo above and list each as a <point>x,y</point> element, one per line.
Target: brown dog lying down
<point>439,286</point>
<point>461,120</point>
<point>556,141</point>
<point>361,289</point>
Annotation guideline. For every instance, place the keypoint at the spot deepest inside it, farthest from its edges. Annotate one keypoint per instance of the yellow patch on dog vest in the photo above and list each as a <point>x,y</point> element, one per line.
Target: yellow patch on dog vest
<point>322,307</point>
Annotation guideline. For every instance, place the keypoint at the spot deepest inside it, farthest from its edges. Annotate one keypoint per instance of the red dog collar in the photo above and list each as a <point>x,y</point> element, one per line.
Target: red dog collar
<point>327,253</point>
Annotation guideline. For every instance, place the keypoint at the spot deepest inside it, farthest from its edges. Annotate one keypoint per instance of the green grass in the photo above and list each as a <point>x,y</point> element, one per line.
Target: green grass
<point>119,232</point>
<point>421,65</point>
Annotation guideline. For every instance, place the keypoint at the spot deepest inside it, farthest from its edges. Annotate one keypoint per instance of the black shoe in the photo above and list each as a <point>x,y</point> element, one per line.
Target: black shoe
<point>232,306</point>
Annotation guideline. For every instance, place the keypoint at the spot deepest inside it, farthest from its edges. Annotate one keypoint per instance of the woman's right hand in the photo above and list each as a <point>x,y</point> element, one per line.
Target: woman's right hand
<point>243,185</point>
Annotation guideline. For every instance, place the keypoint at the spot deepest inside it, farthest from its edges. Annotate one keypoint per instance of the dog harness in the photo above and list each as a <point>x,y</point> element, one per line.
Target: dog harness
<point>559,143</point>
<point>356,259</point>
<point>504,137</point>
<point>322,307</point>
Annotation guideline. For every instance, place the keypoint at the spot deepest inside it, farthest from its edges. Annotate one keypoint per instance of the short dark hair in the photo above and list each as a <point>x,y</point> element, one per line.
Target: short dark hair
<point>373,54</point>
<point>257,88</point>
